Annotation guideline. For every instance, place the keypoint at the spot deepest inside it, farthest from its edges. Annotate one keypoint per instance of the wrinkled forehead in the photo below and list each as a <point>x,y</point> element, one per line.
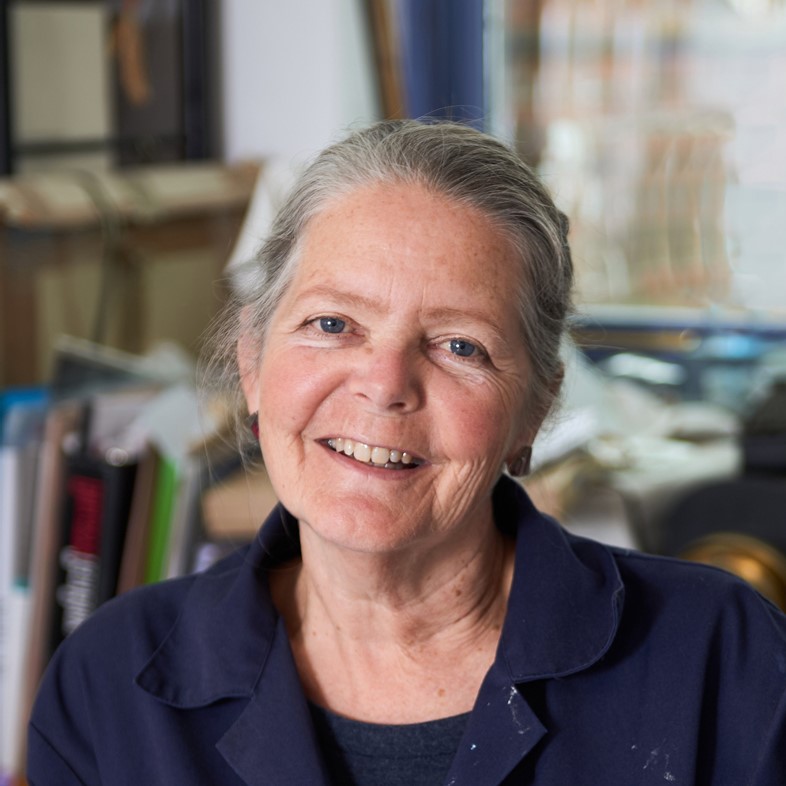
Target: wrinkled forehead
<point>382,226</point>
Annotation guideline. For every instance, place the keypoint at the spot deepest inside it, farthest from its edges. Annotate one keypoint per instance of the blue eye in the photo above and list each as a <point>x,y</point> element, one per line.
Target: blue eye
<point>462,348</point>
<point>332,325</point>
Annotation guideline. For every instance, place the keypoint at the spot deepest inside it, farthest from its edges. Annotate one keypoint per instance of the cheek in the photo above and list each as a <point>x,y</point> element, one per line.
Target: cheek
<point>478,424</point>
<point>291,389</point>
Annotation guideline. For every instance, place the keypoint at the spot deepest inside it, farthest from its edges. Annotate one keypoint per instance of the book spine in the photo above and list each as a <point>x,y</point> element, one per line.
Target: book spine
<point>119,479</point>
<point>163,506</point>
<point>77,593</point>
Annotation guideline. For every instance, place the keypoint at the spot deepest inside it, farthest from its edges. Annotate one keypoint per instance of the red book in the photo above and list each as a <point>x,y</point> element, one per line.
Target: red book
<point>96,506</point>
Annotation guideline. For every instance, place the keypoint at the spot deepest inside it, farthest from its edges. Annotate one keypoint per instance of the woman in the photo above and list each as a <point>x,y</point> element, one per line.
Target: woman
<point>406,616</point>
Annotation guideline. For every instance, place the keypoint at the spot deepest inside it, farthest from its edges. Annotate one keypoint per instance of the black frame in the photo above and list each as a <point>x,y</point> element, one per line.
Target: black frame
<point>5,94</point>
<point>195,140</point>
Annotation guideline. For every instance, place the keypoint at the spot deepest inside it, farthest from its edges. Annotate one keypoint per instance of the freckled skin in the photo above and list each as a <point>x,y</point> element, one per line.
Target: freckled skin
<point>405,271</point>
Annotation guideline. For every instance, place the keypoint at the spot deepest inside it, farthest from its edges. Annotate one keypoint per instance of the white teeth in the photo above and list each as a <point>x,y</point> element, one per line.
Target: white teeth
<point>362,452</point>
<point>366,454</point>
<point>380,456</point>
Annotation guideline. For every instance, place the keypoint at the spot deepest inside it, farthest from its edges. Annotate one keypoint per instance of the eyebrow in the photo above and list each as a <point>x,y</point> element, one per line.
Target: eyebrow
<point>339,295</point>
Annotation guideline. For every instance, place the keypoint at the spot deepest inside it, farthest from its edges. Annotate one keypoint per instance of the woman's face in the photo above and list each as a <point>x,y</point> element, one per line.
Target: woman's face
<point>398,335</point>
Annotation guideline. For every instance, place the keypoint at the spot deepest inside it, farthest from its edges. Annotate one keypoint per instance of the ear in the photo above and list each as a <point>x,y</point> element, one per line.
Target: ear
<point>248,351</point>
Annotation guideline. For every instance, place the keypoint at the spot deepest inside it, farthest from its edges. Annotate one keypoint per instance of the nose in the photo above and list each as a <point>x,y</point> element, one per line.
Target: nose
<point>389,379</point>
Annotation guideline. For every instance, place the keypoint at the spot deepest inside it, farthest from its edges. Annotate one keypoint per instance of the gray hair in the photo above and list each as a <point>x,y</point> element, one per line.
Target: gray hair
<point>453,160</point>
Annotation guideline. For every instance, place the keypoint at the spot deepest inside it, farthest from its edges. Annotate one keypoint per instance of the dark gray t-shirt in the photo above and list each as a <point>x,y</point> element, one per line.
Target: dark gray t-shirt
<point>371,754</point>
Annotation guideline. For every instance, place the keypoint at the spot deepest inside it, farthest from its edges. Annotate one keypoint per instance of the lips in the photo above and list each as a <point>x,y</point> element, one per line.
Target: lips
<point>376,456</point>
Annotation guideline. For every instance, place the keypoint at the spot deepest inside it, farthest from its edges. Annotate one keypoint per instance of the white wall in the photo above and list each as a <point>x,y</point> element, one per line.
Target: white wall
<point>295,74</point>
<point>60,80</point>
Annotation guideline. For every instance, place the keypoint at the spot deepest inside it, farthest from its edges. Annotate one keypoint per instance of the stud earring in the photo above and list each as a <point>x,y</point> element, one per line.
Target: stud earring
<point>519,467</point>
<point>253,424</point>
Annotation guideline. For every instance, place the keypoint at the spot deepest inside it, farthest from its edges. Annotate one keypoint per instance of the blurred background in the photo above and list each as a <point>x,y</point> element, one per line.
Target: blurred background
<point>144,145</point>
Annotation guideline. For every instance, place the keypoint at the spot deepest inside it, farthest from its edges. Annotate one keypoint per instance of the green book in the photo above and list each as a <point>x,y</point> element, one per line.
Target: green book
<point>161,520</point>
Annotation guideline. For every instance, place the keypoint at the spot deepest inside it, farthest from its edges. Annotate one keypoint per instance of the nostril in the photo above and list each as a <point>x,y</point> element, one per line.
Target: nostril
<point>389,383</point>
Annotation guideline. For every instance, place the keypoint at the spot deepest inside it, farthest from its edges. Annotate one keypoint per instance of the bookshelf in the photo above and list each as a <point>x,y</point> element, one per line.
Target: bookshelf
<point>107,284</point>
<point>124,258</point>
<point>130,479</point>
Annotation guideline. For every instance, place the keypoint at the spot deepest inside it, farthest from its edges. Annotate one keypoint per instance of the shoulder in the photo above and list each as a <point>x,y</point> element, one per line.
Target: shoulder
<point>707,645</point>
<point>704,622</point>
<point>695,591</point>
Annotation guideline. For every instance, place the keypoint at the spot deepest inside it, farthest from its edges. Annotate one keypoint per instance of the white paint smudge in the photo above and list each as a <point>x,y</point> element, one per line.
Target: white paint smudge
<point>652,759</point>
<point>656,758</point>
<point>514,712</point>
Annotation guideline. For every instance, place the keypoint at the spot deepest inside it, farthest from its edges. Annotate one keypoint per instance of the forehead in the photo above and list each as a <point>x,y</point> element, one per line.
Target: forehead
<point>409,234</point>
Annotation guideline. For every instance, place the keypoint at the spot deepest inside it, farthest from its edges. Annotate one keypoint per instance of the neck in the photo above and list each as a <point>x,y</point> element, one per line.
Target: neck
<point>416,613</point>
<point>413,592</point>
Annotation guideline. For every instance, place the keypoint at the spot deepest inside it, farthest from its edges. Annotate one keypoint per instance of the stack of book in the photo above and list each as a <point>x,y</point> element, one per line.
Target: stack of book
<point>113,476</point>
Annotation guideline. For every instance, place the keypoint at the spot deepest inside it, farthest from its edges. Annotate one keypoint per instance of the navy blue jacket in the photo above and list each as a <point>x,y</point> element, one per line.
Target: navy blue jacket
<point>613,668</point>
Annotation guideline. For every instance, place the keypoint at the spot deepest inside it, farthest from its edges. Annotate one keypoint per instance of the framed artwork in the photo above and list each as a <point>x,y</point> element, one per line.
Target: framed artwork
<point>103,83</point>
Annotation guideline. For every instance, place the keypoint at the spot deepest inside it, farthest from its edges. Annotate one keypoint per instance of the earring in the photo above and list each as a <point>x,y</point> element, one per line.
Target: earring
<point>253,424</point>
<point>520,465</point>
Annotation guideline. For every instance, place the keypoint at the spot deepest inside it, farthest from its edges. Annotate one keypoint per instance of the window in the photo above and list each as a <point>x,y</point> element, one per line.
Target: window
<point>661,128</point>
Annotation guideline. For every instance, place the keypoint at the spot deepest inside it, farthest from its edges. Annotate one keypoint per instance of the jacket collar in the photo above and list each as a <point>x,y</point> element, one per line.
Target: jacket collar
<point>220,642</point>
<point>567,594</point>
<point>564,610</point>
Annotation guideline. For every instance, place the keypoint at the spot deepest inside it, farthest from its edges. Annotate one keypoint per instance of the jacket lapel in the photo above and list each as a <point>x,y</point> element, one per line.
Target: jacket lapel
<point>502,731</point>
<point>273,743</point>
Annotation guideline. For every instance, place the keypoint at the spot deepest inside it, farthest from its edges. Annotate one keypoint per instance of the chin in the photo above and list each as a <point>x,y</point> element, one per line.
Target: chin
<point>366,529</point>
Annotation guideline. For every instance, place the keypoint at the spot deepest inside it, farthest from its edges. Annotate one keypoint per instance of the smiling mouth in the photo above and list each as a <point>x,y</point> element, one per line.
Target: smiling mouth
<point>384,458</point>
